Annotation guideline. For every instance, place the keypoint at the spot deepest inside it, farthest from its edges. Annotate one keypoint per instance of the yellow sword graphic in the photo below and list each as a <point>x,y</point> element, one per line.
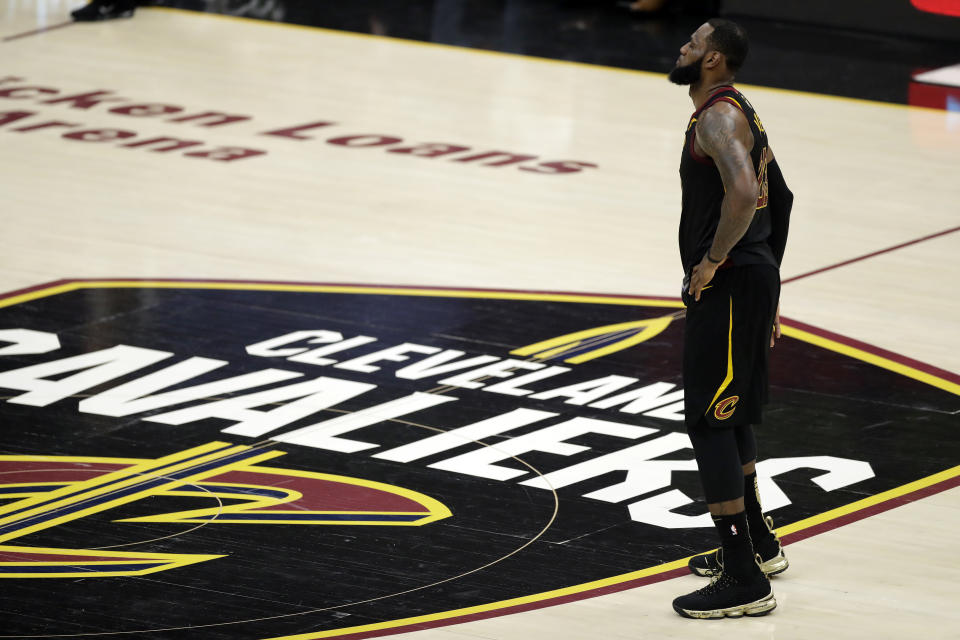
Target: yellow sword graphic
<point>81,499</point>
<point>588,344</point>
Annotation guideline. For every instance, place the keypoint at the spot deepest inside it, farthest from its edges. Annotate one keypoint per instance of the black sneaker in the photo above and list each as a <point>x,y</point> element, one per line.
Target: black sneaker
<point>104,10</point>
<point>772,559</point>
<point>728,597</point>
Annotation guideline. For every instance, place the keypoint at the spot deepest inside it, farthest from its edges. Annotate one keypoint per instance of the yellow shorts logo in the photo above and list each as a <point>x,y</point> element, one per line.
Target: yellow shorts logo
<point>725,408</point>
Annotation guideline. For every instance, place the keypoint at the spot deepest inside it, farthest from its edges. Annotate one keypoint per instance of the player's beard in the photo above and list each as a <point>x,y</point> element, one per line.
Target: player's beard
<point>686,74</point>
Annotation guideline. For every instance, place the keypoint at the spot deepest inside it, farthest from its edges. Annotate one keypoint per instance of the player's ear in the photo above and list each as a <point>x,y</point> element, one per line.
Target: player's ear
<point>713,60</point>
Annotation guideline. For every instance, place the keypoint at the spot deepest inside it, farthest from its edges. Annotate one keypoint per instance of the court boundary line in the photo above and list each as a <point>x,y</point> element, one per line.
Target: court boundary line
<point>791,533</point>
<point>871,255</point>
<point>35,32</point>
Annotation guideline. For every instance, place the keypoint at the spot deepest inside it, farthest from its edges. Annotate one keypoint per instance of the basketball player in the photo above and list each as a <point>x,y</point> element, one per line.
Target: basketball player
<point>733,230</point>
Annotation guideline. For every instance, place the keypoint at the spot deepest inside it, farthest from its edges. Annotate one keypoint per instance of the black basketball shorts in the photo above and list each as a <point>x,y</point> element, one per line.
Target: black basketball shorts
<point>726,346</point>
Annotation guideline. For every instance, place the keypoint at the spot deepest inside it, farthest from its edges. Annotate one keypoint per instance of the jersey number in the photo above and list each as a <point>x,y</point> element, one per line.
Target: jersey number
<point>762,180</point>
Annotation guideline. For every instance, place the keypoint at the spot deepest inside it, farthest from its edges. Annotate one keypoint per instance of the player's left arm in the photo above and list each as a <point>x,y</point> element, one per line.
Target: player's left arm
<point>780,204</point>
<point>725,136</point>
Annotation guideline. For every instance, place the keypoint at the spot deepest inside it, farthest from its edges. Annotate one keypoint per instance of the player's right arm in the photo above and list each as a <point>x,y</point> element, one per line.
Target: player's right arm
<point>723,134</point>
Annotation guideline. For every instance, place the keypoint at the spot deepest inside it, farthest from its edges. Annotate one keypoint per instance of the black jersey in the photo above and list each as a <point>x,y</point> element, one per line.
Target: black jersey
<point>703,193</point>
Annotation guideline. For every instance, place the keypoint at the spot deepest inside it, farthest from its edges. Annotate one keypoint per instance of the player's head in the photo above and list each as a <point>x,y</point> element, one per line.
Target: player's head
<point>718,49</point>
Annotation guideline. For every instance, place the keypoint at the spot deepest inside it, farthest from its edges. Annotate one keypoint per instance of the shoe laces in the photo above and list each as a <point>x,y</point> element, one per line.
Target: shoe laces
<point>718,583</point>
<point>767,520</point>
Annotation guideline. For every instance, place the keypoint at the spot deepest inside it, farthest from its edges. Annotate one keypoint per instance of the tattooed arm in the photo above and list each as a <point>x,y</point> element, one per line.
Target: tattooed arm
<point>724,135</point>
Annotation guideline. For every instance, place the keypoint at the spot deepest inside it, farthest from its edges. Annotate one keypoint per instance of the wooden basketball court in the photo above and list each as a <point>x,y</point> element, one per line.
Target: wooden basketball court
<point>325,157</point>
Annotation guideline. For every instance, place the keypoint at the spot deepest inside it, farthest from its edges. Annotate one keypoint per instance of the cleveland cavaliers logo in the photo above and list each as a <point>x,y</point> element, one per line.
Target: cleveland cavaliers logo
<point>383,458</point>
<point>54,490</point>
<point>725,408</point>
